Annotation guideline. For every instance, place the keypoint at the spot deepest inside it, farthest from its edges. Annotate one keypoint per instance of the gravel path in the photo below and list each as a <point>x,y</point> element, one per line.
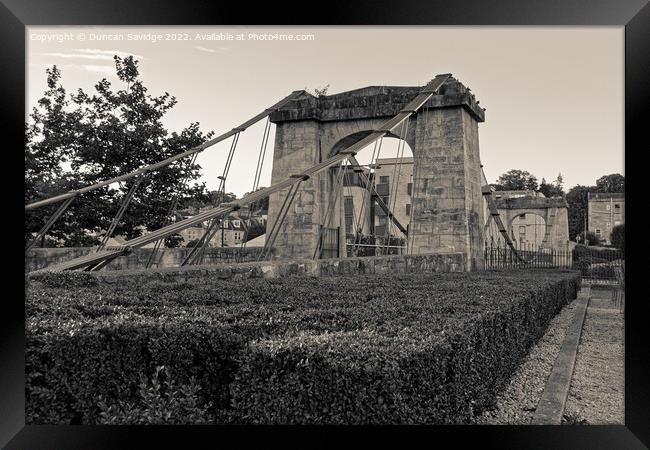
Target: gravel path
<point>516,404</point>
<point>596,395</point>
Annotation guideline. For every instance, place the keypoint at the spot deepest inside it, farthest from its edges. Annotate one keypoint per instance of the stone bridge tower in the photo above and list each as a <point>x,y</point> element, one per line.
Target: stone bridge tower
<point>447,202</point>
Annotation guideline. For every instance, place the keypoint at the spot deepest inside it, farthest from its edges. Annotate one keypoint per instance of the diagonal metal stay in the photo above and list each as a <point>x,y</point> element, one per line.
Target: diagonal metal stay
<point>171,159</point>
<point>198,250</point>
<point>172,209</point>
<point>384,207</point>
<point>486,190</point>
<point>427,92</point>
<point>120,212</point>
<point>279,220</point>
<point>53,218</point>
<point>334,197</point>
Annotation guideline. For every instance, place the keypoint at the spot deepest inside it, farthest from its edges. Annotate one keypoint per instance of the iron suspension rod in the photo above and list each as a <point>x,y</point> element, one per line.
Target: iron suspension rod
<point>330,207</point>
<point>53,218</point>
<point>275,230</point>
<point>166,162</point>
<point>199,247</point>
<point>426,93</point>
<point>125,203</point>
<point>172,209</point>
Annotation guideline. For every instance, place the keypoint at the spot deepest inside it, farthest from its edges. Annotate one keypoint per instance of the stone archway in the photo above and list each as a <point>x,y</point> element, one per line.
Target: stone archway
<point>528,230</point>
<point>443,135</point>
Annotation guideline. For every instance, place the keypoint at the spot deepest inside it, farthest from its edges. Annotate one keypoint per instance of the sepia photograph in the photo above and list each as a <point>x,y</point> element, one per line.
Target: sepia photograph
<point>244,225</point>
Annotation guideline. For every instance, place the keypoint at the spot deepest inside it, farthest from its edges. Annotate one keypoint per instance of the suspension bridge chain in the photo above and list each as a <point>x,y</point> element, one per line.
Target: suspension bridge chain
<point>486,190</point>
<point>335,193</point>
<point>172,210</point>
<point>46,227</point>
<point>120,212</point>
<point>197,252</point>
<point>373,192</point>
<point>279,220</point>
<point>367,194</point>
<point>394,189</point>
<point>171,159</point>
<point>425,94</point>
<point>256,180</point>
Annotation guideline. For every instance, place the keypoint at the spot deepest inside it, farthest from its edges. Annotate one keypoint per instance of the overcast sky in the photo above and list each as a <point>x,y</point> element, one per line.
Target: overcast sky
<point>554,95</point>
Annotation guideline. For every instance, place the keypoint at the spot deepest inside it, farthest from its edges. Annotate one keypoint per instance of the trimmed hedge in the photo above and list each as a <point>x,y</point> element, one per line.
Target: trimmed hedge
<point>425,348</point>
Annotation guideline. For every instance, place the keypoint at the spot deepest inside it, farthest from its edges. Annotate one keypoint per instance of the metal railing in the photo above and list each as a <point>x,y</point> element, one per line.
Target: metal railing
<point>596,265</point>
<point>369,245</point>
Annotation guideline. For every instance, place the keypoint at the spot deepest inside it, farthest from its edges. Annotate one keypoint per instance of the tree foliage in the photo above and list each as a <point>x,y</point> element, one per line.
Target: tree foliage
<point>613,183</point>
<point>516,180</point>
<point>261,205</point>
<point>77,139</point>
<point>554,189</point>
<point>617,237</point>
<point>576,197</point>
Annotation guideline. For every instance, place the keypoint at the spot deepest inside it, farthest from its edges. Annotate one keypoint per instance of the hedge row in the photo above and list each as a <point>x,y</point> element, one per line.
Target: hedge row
<point>426,348</point>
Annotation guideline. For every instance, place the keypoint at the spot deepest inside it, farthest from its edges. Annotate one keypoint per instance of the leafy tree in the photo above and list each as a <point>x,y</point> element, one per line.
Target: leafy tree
<point>516,180</point>
<point>554,189</point>
<point>79,139</point>
<point>262,205</point>
<point>613,183</point>
<point>577,200</point>
<point>210,200</point>
<point>592,238</point>
<point>617,237</point>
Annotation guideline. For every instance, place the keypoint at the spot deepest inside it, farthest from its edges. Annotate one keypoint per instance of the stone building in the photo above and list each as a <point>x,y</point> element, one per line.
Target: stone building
<point>604,212</point>
<point>231,231</point>
<point>532,220</point>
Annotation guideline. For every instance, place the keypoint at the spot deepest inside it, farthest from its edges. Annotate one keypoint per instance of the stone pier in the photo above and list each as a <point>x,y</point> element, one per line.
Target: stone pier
<point>447,214</point>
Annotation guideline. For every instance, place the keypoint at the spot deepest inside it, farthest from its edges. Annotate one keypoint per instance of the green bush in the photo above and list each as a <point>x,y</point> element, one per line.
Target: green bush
<point>441,374</point>
<point>593,238</point>
<point>436,348</point>
<point>161,402</point>
<point>617,236</point>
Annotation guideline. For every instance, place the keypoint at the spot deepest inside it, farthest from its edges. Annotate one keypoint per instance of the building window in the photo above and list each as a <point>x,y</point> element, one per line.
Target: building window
<point>383,179</point>
<point>236,223</point>
<point>348,206</point>
<point>409,188</point>
<point>408,210</point>
<point>617,206</point>
<point>597,230</point>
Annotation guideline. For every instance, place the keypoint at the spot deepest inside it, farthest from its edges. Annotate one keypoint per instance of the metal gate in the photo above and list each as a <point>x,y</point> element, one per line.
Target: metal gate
<point>329,242</point>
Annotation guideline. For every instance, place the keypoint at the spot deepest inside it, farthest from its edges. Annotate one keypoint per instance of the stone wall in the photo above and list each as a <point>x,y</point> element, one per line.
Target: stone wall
<point>553,210</point>
<point>448,262</point>
<point>38,258</point>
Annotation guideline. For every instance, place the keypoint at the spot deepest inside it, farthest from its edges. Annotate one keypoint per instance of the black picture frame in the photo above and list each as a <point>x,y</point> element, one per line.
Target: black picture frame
<point>15,15</point>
